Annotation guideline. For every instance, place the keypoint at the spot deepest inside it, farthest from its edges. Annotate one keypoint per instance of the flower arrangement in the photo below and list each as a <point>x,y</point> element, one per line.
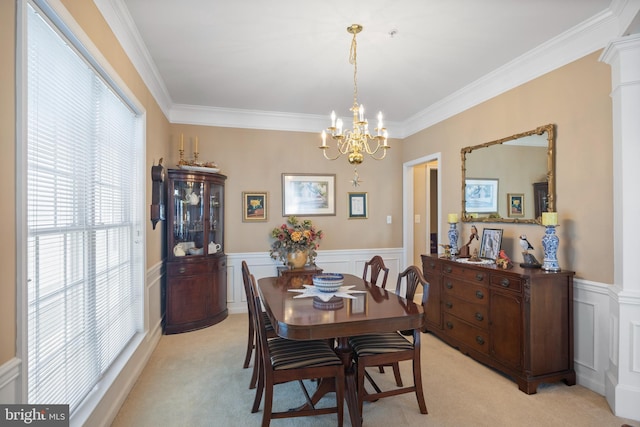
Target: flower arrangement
<point>293,236</point>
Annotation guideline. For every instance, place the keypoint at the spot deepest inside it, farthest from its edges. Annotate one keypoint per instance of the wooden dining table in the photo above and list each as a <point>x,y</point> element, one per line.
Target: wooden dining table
<point>309,318</point>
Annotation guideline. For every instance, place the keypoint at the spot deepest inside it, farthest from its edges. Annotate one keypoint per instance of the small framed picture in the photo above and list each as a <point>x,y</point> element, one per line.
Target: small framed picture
<point>491,242</point>
<point>515,205</point>
<point>254,206</point>
<point>358,206</point>
<point>308,194</point>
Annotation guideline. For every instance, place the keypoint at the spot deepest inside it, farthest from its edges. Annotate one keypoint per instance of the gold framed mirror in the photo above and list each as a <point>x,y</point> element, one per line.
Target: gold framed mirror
<point>511,179</point>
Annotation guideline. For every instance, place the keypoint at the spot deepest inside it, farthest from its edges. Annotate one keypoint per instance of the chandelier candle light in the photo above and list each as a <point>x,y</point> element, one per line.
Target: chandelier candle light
<point>452,218</point>
<point>357,141</point>
<point>550,241</point>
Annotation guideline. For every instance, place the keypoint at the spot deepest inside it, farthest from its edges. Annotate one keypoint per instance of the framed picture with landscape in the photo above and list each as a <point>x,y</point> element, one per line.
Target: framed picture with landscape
<point>308,194</point>
<point>515,205</point>
<point>481,195</point>
<point>254,206</point>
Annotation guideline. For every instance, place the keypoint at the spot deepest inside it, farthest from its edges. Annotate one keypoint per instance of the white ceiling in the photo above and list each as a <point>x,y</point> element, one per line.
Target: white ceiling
<point>223,62</point>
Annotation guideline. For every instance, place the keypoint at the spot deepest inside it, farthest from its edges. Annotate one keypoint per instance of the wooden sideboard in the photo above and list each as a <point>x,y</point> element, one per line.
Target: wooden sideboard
<point>518,321</point>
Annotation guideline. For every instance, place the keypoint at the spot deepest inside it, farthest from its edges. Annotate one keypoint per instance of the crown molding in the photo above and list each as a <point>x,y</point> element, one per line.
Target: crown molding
<point>119,19</point>
<point>581,40</point>
<point>253,119</point>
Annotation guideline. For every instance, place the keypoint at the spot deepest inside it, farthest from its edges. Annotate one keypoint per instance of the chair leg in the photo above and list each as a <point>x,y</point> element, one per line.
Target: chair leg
<point>361,390</point>
<point>258,397</point>
<point>339,379</point>
<point>396,373</point>
<point>268,402</point>
<point>257,366</point>
<point>250,343</point>
<point>417,382</point>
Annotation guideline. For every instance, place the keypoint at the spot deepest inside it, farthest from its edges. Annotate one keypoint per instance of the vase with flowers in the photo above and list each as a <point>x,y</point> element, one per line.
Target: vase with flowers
<point>295,242</point>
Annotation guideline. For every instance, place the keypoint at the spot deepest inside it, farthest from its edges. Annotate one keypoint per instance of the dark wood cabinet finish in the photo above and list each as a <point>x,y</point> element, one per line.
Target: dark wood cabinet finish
<point>518,321</point>
<point>196,285</point>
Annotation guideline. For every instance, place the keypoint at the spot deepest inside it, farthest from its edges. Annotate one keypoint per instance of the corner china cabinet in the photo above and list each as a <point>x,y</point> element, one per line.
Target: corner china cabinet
<point>196,289</point>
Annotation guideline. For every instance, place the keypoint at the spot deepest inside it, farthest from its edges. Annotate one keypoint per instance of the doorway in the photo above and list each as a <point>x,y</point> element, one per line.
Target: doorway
<point>421,207</point>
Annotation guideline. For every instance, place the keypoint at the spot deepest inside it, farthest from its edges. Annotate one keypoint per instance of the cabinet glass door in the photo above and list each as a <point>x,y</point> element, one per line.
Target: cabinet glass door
<point>188,228</point>
<point>216,237</point>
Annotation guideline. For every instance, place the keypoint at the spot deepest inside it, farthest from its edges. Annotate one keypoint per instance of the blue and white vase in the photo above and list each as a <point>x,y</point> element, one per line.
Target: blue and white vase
<point>453,238</point>
<point>550,243</point>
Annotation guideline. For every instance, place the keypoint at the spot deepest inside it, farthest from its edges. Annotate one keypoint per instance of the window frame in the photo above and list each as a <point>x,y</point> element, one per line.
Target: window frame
<point>63,22</point>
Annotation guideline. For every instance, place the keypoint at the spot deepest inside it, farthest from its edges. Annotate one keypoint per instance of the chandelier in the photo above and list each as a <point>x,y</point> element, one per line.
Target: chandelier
<point>357,141</point>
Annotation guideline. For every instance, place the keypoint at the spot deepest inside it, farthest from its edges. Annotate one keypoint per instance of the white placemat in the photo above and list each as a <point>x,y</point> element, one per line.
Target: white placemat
<point>312,291</point>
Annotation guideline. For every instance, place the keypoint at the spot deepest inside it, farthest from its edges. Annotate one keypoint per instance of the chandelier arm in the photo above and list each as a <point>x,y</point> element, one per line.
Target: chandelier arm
<point>324,151</point>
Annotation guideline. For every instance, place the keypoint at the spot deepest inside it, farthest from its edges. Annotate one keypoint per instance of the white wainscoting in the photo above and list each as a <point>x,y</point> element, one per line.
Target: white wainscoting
<point>342,261</point>
<point>591,333</point>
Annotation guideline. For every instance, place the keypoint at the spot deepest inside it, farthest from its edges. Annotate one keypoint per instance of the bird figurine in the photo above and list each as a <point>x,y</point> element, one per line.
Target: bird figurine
<point>447,251</point>
<point>530,261</point>
<point>524,243</point>
<point>503,261</point>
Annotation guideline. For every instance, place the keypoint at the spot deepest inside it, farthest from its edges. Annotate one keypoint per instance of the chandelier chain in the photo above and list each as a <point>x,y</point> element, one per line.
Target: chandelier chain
<point>353,59</point>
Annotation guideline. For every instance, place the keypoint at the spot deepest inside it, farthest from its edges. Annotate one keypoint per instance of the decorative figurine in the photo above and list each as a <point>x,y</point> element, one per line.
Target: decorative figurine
<point>464,250</point>
<point>475,257</point>
<point>447,251</point>
<point>503,261</point>
<point>530,261</point>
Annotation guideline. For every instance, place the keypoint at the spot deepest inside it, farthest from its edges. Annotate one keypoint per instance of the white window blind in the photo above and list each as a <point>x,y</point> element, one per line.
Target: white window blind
<point>85,260</point>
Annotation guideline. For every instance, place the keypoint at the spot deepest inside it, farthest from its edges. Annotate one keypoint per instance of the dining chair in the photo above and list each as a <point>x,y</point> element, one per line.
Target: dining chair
<point>252,336</point>
<point>371,274</point>
<point>286,360</point>
<point>392,347</point>
<point>372,270</point>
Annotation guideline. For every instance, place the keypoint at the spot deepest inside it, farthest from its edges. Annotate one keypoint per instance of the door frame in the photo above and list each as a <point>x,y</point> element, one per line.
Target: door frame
<point>408,203</point>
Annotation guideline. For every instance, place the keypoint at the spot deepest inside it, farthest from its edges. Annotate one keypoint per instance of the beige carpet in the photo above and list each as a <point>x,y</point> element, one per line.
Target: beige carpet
<point>196,379</point>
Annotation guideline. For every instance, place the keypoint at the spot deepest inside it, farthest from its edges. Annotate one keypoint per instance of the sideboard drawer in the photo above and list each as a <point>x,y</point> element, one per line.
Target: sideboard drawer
<point>462,272</point>
<point>473,313</point>
<point>471,336</point>
<point>471,292</point>
<point>506,282</point>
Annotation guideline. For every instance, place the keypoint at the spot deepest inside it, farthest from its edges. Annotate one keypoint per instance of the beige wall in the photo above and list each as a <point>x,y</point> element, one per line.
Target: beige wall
<point>7,175</point>
<point>254,160</point>
<point>575,98</point>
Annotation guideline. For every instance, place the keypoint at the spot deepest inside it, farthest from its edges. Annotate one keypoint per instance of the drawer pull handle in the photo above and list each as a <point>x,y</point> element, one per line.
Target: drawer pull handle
<point>448,269</point>
<point>181,270</point>
<point>449,305</point>
<point>432,265</point>
<point>449,325</point>
<point>448,285</point>
<point>505,283</point>
<point>479,317</point>
<point>479,340</point>
<point>479,277</point>
<point>479,294</point>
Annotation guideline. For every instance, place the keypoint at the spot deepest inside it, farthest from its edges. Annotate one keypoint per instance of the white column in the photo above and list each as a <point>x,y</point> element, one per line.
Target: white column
<point>622,378</point>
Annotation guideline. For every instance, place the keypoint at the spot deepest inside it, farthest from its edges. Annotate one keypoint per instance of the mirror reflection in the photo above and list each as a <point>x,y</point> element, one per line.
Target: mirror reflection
<point>510,179</point>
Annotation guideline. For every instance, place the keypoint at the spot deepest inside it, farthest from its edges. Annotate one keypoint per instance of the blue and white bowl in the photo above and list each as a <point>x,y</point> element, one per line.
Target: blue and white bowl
<point>328,282</point>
